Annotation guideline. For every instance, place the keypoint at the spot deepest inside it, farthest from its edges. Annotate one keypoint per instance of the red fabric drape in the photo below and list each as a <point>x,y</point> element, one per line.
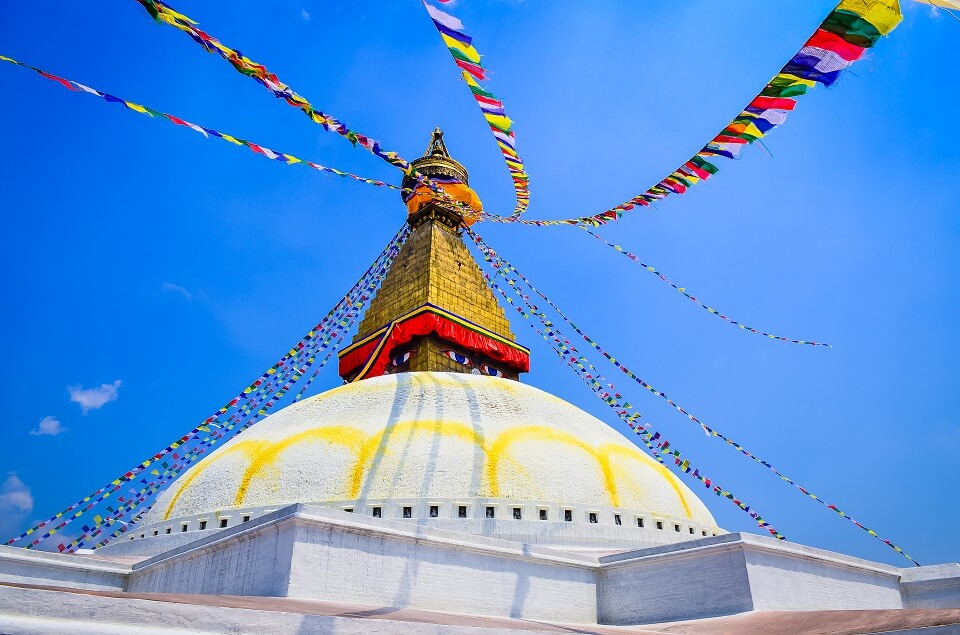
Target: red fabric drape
<point>404,331</point>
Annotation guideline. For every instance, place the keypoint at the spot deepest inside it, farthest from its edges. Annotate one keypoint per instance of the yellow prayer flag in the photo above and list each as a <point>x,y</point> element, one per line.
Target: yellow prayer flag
<point>498,120</point>
<point>883,14</point>
<point>470,52</point>
<point>231,139</point>
<point>794,80</point>
<point>137,107</point>
<point>467,77</point>
<point>505,149</point>
<point>180,16</point>
<point>751,129</point>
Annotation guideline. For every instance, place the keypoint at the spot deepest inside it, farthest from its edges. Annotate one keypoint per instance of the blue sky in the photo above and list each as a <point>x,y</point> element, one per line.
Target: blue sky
<point>150,274</point>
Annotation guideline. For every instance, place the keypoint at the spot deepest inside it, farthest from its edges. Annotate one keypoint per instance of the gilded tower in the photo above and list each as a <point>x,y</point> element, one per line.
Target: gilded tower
<point>434,311</point>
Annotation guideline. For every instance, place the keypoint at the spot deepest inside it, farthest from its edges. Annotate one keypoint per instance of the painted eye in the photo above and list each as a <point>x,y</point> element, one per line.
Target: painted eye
<point>457,357</point>
<point>490,370</point>
<point>403,359</point>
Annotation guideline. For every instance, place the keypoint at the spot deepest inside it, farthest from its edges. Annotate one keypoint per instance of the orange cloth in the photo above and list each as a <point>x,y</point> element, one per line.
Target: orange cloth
<point>457,191</point>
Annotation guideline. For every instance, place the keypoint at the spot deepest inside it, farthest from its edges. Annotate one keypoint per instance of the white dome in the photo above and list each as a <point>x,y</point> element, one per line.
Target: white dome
<point>430,436</point>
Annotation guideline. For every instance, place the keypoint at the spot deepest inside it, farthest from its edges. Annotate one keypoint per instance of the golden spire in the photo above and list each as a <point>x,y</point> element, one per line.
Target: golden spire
<point>434,311</point>
<point>436,161</point>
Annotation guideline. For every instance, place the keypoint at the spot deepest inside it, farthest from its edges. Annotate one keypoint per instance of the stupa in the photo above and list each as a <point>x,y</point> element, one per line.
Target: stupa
<point>436,492</point>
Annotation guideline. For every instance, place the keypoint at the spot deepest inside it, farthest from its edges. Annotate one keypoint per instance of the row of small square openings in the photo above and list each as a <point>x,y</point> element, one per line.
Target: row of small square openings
<point>433,511</point>
<point>490,511</point>
<point>223,523</point>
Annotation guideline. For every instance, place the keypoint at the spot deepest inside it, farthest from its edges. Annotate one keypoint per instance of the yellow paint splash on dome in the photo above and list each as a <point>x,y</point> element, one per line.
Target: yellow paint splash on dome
<point>262,453</point>
<point>608,449</point>
<point>543,433</point>
<point>438,427</point>
<point>247,446</point>
<point>346,436</point>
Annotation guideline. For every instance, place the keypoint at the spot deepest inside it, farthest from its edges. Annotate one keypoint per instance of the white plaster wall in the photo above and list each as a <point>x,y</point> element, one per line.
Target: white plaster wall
<point>337,556</point>
<point>797,578</point>
<point>460,575</point>
<point>151,545</point>
<point>254,561</point>
<point>149,540</point>
<point>38,567</point>
<point>561,534</point>
<point>317,553</point>
<point>633,589</point>
<point>936,586</point>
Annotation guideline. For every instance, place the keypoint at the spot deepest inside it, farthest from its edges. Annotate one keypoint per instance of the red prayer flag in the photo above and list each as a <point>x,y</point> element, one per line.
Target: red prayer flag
<point>728,139</point>
<point>776,103</point>
<point>496,103</point>
<point>703,174</point>
<point>474,69</point>
<point>58,80</point>
<point>832,42</point>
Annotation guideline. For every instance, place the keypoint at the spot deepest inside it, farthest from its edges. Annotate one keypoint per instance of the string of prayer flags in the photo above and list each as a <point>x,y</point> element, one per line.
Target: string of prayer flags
<point>237,404</point>
<point>471,68</point>
<point>163,13</point>
<point>603,388</point>
<point>125,526</point>
<point>352,305</point>
<point>842,38</point>
<point>138,497</point>
<point>206,132</point>
<point>353,302</point>
<point>358,297</point>
<point>498,262</point>
<point>807,492</point>
<point>683,290</point>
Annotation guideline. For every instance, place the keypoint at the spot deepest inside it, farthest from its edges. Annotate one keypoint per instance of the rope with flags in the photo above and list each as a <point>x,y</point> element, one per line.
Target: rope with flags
<point>841,39</point>
<point>286,372</point>
<point>262,150</point>
<point>710,431</point>
<point>471,68</point>
<point>569,355</point>
<point>683,290</point>
<point>163,13</point>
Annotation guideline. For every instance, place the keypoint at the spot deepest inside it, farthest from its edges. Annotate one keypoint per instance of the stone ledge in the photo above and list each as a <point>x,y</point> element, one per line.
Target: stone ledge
<point>61,561</point>
<point>397,529</point>
<point>743,541</point>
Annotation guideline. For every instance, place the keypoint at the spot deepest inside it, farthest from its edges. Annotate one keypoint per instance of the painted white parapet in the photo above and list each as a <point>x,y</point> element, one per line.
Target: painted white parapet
<point>740,572</point>
<point>931,587</point>
<point>317,553</point>
<point>78,572</point>
<point>532,522</point>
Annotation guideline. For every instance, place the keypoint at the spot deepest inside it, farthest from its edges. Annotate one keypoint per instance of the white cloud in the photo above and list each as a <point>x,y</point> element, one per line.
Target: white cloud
<point>306,16</point>
<point>176,288</point>
<point>94,398</point>
<point>49,426</point>
<point>15,497</point>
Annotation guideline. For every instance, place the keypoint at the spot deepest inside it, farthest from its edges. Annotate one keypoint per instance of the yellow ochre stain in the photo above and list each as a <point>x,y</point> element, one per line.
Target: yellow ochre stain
<point>242,446</point>
<point>543,433</point>
<point>346,436</point>
<point>442,428</point>
<point>615,448</point>
<point>263,453</point>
